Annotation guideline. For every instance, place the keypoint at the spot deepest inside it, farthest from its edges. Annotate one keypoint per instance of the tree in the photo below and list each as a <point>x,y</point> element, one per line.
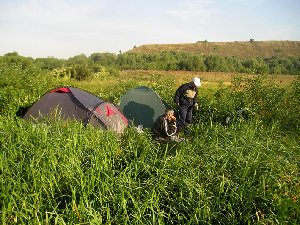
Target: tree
<point>105,59</point>
<point>214,63</point>
<point>78,59</point>
<point>17,61</point>
<point>49,63</point>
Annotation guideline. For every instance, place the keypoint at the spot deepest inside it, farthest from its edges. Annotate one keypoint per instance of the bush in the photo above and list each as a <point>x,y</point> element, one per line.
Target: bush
<point>262,100</point>
<point>81,72</point>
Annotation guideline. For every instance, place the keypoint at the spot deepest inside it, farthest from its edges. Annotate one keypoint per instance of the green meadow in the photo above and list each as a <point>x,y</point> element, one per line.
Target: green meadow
<point>61,172</point>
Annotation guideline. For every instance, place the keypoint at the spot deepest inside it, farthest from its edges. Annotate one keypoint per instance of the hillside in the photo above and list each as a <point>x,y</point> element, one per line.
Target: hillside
<point>250,49</point>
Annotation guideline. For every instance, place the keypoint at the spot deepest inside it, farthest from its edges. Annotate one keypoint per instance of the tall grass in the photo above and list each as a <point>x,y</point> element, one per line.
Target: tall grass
<point>61,172</point>
<point>64,173</point>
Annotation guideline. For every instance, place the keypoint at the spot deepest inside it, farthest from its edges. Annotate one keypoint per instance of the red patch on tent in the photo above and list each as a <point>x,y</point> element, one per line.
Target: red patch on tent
<point>61,90</point>
<point>124,118</point>
<point>98,111</point>
<point>109,111</point>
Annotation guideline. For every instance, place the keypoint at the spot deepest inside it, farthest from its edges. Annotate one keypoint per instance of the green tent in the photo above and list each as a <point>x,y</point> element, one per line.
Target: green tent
<point>142,106</point>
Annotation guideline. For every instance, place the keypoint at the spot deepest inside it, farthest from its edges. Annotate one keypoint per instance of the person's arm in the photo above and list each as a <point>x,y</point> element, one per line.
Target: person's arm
<point>170,127</point>
<point>195,100</point>
<point>158,127</point>
<point>179,92</point>
<point>177,96</point>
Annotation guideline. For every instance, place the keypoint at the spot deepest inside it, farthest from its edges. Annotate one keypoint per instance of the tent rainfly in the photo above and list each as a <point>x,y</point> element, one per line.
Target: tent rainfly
<point>142,106</point>
<point>74,103</point>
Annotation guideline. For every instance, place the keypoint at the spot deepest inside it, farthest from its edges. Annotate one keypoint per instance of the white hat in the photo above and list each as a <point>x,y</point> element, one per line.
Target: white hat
<point>197,81</point>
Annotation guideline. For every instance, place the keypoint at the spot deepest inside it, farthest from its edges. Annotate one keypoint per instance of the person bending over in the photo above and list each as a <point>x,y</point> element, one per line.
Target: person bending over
<point>186,99</point>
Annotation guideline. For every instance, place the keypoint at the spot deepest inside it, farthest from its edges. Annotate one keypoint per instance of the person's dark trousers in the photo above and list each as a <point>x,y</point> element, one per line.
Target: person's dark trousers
<point>185,117</point>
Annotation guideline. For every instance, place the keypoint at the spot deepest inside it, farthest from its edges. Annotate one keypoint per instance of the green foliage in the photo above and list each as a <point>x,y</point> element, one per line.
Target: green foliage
<point>16,61</point>
<point>100,71</point>
<point>211,63</point>
<point>63,73</point>
<point>163,61</point>
<point>191,63</point>
<point>263,101</point>
<point>82,72</point>
<point>104,59</point>
<point>256,66</point>
<point>214,63</point>
<point>78,72</point>
<point>61,172</point>
<point>49,63</point>
<point>20,83</point>
<point>78,60</point>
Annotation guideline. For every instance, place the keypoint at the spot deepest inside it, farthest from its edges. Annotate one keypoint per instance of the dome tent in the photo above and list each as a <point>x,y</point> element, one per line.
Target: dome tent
<point>74,103</point>
<point>142,106</point>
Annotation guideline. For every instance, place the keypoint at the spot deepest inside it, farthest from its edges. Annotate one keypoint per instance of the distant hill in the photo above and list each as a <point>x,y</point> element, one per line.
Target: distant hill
<point>250,49</point>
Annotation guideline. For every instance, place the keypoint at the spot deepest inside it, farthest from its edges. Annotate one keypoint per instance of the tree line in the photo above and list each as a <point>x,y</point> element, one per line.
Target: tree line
<point>96,62</point>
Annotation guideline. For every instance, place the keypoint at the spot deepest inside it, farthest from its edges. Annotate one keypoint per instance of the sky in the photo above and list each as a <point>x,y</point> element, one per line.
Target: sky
<point>66,28</point>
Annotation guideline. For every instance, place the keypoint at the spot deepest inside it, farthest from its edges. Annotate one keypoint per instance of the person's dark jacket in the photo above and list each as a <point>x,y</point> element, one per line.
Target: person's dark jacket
<point>163,128</point>
<point>181,95</point>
